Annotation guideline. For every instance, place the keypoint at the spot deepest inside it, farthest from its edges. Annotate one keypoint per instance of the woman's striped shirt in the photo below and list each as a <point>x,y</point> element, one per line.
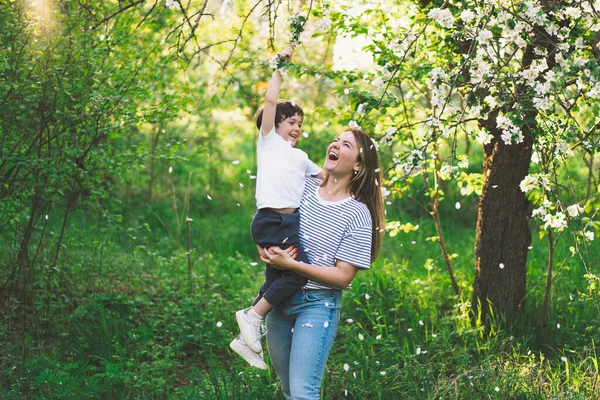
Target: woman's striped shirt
<point>331,231</point>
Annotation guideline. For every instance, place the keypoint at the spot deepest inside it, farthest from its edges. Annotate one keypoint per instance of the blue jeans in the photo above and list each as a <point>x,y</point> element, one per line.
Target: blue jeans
<point>300,335</point>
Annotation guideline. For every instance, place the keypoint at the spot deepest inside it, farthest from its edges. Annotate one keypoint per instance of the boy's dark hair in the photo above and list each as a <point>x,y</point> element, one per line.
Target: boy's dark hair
<point>285,109</point>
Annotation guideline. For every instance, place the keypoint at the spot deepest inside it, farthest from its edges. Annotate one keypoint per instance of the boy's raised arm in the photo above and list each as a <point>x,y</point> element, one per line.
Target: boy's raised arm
<point>272,95</point>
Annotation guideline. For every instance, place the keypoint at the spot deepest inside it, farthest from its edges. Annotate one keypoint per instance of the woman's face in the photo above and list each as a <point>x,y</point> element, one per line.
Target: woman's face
<point>342,155</point>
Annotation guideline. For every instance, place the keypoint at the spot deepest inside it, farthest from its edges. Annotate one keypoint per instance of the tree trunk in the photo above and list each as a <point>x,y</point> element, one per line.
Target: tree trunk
<point>503,234</point>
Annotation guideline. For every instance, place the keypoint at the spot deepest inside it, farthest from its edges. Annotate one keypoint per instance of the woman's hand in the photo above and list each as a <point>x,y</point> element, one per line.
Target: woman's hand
<point>278,258</point>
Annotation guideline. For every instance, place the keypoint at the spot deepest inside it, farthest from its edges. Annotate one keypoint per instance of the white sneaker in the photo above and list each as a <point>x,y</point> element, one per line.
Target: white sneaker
<point>252,329</point>
<point>255,360</point>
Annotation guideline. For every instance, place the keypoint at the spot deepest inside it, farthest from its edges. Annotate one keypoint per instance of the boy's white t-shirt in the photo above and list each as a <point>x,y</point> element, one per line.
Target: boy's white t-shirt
<point>282,172</point>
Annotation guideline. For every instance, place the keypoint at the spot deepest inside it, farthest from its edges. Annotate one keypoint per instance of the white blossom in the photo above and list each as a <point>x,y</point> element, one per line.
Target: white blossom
<point>528,183</point>
<point>558,221</point>
<point>467,15</point>
<point>534,13</point>
<point>445,172</point>
<point>563,148</point>
<point>483,137</point>
<point>171,4</point>
<point>379,83</point>
<point>573,12</point>
<point>324,24</point>
<point>539,212</point>
<point>484,36</point>
<point>442,17</point>
<point>589,236</point>
<point>574,210</point>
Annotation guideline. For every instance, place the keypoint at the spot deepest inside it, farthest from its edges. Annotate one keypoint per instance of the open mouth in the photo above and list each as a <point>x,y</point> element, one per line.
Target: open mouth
<point>332,156</point>
<point>293,135</point>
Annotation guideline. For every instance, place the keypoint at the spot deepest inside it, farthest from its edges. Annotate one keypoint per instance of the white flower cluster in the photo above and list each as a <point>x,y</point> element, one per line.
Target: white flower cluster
<point>446,172</point>
<point>172,4</point>
<point>563,149</point>
<point>400,47</point>
<point>534,13</point>
<point>414,166</point>
<point>557,221</point>
<point>443,17</point>
<point>484,137</point>
<point>324,24</point>
<point>533,181</point>
<point>479,69</point>
<point>510,132</point>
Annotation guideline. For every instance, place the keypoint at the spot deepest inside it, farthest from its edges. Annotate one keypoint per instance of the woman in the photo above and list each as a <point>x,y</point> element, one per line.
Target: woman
<point>341,221</point>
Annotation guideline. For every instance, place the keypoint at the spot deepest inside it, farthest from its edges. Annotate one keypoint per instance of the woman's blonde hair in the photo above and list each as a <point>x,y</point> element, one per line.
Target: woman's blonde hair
<point>365,186</point>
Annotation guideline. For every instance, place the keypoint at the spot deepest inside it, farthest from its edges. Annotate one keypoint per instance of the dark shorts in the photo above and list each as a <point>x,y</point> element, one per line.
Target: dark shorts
<point>270,228</point>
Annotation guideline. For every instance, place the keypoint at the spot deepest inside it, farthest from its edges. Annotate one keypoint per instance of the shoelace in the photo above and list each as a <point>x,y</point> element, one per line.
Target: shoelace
<point>263,330</point>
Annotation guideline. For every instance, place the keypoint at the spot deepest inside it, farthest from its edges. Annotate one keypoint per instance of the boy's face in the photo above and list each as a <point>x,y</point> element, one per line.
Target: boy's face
<point>290,129</point>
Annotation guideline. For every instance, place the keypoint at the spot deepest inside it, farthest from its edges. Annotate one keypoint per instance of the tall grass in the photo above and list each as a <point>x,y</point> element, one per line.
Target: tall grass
<point>130,321</point>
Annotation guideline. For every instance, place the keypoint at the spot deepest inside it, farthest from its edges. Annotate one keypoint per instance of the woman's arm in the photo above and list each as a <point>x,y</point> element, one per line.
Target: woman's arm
<point>339,276</point>
<point>272,95</point>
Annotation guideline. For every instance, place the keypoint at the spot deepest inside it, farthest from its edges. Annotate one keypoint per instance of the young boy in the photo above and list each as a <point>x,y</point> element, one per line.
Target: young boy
<point>282,172</point>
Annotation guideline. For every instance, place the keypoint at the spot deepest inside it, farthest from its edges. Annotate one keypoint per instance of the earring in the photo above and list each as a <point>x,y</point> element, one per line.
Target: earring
<point>355,172</point>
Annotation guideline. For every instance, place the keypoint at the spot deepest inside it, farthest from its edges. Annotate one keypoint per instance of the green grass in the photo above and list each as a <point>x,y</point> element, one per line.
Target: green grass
<point>126,319</point>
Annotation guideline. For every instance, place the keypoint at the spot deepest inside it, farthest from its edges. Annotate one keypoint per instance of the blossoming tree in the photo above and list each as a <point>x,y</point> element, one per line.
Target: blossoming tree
<point>523,80</point>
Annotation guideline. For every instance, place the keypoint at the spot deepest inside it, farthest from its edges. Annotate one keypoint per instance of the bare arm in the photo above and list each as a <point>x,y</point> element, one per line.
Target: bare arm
<point>339,276</point>
<point>272,95</point>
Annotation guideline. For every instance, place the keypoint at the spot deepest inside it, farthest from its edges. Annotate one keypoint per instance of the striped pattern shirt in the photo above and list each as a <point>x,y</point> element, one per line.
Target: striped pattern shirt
<point>331,231</point>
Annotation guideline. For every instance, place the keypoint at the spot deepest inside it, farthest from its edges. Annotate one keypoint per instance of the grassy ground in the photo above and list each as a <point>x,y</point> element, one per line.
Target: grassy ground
<point>127,319</point>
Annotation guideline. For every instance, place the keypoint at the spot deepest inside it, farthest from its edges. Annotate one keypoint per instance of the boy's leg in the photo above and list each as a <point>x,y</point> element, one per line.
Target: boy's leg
<point>289,282</point>
<point>250,320</point>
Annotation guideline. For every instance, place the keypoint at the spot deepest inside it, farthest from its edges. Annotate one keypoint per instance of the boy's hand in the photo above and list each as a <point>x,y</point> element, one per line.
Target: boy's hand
<point>287,52</point>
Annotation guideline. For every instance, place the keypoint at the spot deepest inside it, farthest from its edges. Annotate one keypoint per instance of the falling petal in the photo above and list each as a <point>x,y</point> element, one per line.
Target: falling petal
<point>241,184</point>
<point>208,196</point>
<point>236,162</point>
<point>418,350</point>
<point>219,324</point>
<point>557,326</point>
<point>46,216</point>
<point>346,367</point>
<point>382,373</point>
<point>378,337</point>
<point>457,205</point>
<point>361,337</point>
<point>170,169</point>
<point>254,264</point>
<point>349,320</point>
<point>421,323</point>
<point>497,389</point>
<point>285,240</point>
<point>501,265</point>
<point>367,296</point>
<point>377,170</point>
<point>326,324</point>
